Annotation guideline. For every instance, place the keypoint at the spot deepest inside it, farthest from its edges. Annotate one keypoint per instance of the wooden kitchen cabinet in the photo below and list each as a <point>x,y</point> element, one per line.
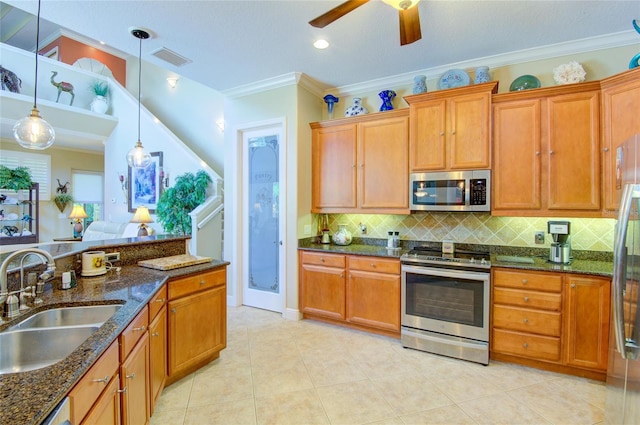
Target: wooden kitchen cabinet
<point>323,285</point>
<point>134,384</point>
<point>106,411</point>
<point>450,129</point>
<point>373,292</point>
<point>546,159</point>
<point>586,331</point>
<point>554,321</point>
<point>360,164</point>
<point>157,346</point>
<point>358,291</point>
<point>197,323</point>
<point>620,106</point>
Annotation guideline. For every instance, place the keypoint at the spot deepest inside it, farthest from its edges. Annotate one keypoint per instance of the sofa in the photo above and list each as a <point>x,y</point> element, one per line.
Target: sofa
<point>99,230</point>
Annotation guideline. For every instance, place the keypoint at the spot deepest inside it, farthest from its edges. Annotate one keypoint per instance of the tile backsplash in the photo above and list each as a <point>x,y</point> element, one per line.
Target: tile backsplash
<point>592,234</point>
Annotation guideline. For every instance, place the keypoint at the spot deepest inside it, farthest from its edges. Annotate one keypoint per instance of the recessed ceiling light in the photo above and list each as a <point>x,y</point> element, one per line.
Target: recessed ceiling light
<point>321,44</point>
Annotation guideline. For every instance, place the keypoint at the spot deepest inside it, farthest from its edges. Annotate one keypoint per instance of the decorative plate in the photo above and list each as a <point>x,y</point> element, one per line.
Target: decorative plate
<point>525,82</point>
<point>454,78</point>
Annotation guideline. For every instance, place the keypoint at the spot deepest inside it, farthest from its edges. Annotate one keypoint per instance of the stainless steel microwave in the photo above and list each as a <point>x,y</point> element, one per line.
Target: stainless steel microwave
<point>450,191</point>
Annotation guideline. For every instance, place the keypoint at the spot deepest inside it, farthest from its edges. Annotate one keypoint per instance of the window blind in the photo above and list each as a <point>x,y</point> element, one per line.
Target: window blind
<point>87,187</point>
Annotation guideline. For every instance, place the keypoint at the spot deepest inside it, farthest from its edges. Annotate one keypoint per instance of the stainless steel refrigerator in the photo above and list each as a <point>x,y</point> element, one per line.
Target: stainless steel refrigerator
<point>623,372</point>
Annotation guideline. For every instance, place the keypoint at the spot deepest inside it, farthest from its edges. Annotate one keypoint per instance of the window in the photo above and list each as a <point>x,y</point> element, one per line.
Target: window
<point>87,190</point>
<point>39,165</point>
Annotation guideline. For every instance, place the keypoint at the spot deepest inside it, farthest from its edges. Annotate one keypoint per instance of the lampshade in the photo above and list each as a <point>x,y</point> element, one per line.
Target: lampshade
<point>33,132</point>
<point>142,216</point>
<point>138,157</point>
<point>78,212</point>
<point>401,4</point>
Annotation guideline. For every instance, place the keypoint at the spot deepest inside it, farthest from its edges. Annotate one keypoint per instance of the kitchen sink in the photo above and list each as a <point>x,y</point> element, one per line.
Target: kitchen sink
<point>69,316</point>
<point>29,349</point>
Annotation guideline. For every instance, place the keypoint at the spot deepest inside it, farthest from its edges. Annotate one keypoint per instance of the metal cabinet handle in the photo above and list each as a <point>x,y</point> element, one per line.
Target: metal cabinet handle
<point>173,310</point>
<point>524,281</point>
<point>122,391</point>
<point>202,282</point>
<point>160,300</point>
<point>573,285</point>
<point>525,320</point>
<point>606,149</point>
<point>141,328</point>
<point>104,380</point>
<point>526,299</point>
<point>322,260</point>
<point>132,376</point>
<point>155,334</point>
<point>525,345</point>
<point>453,132</point>
<point>551,152</point>
<point>537,153</point>
<point>373,266</point>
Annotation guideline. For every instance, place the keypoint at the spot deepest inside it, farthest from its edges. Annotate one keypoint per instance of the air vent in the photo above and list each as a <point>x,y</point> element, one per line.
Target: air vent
<point>170,56</point>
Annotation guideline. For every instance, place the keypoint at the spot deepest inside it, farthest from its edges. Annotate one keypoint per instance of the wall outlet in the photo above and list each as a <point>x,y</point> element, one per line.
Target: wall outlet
<point>112,256</point>
<point>363,228</point>
<point>539,237</point>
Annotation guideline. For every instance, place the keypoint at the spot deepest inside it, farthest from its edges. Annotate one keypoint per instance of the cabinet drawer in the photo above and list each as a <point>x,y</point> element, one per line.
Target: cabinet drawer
<point>529,299</point>
<point>132,334</point>
<point>158,301</point>
<point>93,383</point>
<point>522,344</point>
<point>329,260</point>
<point>527,320</point>
<point>200,282</point>
<point>549,282</point>
<point>375,264</point>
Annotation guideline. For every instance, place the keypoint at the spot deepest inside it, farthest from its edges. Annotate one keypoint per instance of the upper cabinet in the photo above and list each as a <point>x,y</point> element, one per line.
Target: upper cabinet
<point>450,129</point>
<point>620,121</point>
<point>360,164</point>
<point>546,159</point>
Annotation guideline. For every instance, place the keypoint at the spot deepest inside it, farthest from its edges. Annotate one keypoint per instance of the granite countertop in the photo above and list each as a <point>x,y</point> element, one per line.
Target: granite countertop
<point>27,398</point>
<point>585,262</point>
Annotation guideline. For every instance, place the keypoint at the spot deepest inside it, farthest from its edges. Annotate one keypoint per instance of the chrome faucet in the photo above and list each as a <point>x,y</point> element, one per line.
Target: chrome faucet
<point>48,274</point>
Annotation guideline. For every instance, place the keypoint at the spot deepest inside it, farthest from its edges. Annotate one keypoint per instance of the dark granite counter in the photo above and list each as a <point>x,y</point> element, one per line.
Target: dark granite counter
<point>589,267</point>
<point>27,398</point>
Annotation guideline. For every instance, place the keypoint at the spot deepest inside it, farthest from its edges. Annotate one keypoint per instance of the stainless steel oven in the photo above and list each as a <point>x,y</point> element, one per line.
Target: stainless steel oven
<point>445,304</point>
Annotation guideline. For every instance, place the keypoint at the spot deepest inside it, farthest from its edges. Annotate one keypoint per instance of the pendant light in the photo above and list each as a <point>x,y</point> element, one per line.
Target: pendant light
<point>138,157</point>
<point>33,132</point>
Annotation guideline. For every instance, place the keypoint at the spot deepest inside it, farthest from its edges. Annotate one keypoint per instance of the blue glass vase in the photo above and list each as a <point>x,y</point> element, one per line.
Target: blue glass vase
<point>386,96</point>
<point>330,100</point>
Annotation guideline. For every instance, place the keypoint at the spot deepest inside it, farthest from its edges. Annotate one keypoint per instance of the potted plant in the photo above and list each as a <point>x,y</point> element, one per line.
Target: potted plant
<point>101,90</point>
<point>16,179</point>
<point>175,203</point>
<point>61,200</point>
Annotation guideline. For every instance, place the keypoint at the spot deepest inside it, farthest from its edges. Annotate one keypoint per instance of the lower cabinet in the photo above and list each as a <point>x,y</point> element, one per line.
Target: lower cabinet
<point>157,346</point>
<point>560,320</point>
<point>106,411</point>
<point>134,381</point>
<point>197,323</point>
<point>359,291</point>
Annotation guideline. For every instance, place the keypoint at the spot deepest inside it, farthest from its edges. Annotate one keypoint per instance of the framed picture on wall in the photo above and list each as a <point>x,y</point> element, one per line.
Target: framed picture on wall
<point>144,185</point>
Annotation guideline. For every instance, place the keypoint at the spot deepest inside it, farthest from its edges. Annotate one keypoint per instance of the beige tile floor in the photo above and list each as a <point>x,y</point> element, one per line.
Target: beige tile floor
<point>275,371</point>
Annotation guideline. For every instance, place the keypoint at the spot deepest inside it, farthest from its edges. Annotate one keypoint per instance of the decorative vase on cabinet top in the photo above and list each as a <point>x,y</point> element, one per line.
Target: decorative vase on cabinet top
<point>482,75</point>
<point>356,108</point>
<point>342,236</point>
<point>386,96</point>
<point>419,84</point>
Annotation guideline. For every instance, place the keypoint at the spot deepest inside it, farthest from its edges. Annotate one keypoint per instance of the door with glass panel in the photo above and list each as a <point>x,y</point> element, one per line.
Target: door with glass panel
<point>263,262</point>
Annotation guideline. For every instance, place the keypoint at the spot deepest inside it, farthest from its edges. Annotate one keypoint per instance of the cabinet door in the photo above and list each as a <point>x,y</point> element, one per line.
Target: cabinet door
<point>374,299</point>
<point>322,291</point>
<point>333,175</point>
<point>427,139</point>
<point>383,164</point>
<point>157,356</point>
<point>586,312</point>
<point>574,151</point>
<point>620,106</point>
<point>106,411</point>
<point>516,155</point>
<point>197,328</point>
<point>469,134</point>
<point>134,377</point>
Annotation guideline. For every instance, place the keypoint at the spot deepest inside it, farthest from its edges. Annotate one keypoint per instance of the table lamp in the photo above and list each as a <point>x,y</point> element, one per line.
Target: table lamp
<point>142,216</point>
<point>77,214</point>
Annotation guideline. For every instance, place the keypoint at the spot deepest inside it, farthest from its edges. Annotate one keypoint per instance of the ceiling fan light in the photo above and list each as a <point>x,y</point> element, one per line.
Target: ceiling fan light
<point>137,157</point>
<point>33,132</point>
<point>321,44</point>
<point>401,4</point>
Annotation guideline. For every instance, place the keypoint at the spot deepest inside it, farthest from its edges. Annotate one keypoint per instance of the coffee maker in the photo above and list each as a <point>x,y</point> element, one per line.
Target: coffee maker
<point>560,252</point>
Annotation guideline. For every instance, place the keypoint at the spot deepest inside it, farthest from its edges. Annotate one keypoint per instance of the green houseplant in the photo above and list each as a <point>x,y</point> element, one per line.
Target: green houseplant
<point>175,203</point>
<point>16,179</point>
<point>62,200</point>
<point>100,88</point>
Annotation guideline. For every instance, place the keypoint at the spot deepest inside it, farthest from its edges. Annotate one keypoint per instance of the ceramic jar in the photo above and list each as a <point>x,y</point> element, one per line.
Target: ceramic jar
<point>342,236</point>
<point>482,75</point>
<point>356,108</point>
<point>99,104</point>
<point>386,96</point>
<point>419,84</point>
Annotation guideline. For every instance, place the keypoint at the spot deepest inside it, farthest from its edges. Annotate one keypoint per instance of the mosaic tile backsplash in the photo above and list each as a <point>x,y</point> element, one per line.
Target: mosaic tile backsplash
<point>592,234</point>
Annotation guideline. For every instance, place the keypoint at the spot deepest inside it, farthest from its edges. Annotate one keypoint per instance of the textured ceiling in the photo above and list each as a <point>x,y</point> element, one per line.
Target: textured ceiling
<point>235,43</point>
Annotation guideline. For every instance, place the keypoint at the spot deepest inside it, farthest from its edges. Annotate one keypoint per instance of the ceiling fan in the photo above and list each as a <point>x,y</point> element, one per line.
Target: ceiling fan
<point>409,17</point>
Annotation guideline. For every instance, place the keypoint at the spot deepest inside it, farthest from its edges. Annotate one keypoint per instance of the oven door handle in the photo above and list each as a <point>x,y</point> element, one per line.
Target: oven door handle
<point>432,271</point>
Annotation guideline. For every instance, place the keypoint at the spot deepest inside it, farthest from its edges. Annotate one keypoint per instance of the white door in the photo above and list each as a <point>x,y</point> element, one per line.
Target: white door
<point>263,215</point>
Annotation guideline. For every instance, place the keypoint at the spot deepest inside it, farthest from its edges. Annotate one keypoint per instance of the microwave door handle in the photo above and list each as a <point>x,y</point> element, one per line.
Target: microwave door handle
<point>467,193</point>
<point>620,269</point>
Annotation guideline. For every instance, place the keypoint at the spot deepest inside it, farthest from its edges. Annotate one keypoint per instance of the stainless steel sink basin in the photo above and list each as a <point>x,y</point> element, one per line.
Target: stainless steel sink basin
<point>30,349</point>
<point>69,316</point>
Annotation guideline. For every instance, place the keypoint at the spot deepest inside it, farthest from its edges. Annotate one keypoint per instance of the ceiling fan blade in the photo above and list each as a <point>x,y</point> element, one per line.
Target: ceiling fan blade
<point>337,12</point>
<point>410,26</point>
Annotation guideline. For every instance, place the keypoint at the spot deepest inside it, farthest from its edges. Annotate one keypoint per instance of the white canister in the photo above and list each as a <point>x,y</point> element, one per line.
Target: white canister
<point>93,263</point>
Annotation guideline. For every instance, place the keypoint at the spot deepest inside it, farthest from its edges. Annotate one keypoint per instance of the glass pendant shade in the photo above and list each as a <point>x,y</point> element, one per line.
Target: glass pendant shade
<point>33,132</point>
<point>138,157</point>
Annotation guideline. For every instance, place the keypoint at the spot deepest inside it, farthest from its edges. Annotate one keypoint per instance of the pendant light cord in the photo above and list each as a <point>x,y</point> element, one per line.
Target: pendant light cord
<point>139,84</point>
<point>35,86</point>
